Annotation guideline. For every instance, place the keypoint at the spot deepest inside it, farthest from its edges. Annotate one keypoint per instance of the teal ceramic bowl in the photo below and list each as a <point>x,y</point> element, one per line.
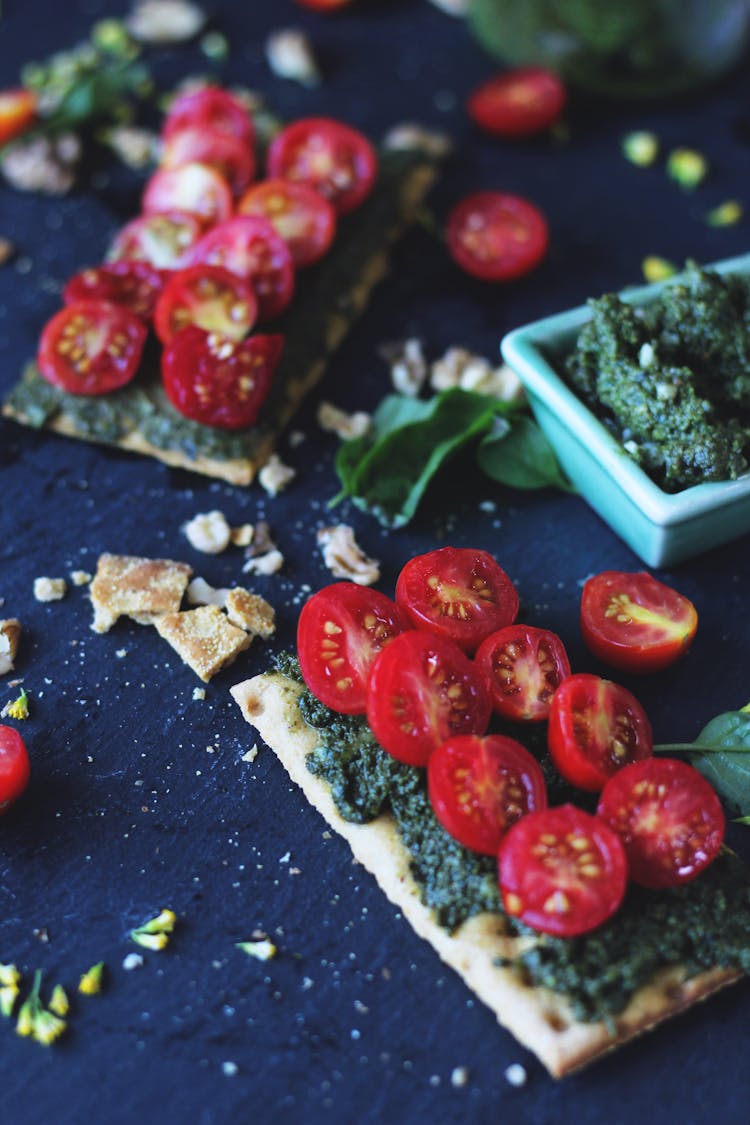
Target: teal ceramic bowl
<point>662,528</point>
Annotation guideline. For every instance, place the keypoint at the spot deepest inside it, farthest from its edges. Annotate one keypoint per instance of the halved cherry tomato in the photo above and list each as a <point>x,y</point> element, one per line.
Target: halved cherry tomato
<point>479,787</point>
<point>216,381</point>
<point>229,155</point>
<point>523,666</point>
<point>458,592</point>
<point>209,297</point>
<point>518,102</point>
<point>595,728</point>
<point>14,767</point>
<point>211,108</point>
<point>134,285</point>
<point>324,5</point>
<point>562,871</point>
<point>668,817</point>
<point>423,690</point>
<point>196,188</point>
<point>336,160</point>
<point>165,240</point>
<point>249,246</point>
<point>91,347</point>
<point>299,214</point>
<point>17,113</point>
<point>634,622</point>
<point>341,630</point>
<point>495,236</point>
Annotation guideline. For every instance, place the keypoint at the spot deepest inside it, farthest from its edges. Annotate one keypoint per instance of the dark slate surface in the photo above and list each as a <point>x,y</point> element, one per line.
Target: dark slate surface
<point>129,812</point>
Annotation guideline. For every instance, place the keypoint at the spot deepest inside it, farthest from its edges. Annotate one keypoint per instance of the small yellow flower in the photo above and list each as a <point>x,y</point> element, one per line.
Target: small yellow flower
<point>35,1021</point>
<point>687,167</point>
<point>640,147</point>
<point>154,934</point>
<point>18,708</point>
<point>263,950</point>
<point>657,269</point>
<point>48,1027</point>
<point>150,941</point>
<point>726,214</point>
<point>90,983</point>
<point>8,997</point>
<point>58,1001</point>
<point>9,975</point>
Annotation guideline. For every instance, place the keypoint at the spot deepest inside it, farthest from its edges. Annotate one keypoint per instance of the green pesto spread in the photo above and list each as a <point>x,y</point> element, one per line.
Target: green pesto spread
<point>326,297</point>
<point>672,378</point>
<point>703,924</point>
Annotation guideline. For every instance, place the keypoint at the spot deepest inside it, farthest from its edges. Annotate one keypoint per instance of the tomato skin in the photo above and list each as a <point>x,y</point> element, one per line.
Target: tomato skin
<point>634,622</point>
<point>212,108</point>
<point>134,285</point>
<point>299,214</point>
<point>229,155</point>
<point>341,630</point>
<point>423,690</point>
<point>164,240</point>
<point>15,769</point>
<point>324,5</point>
<point>17,113</point>
<point>518,102</point>
<point>210,298</point>
<point>336,160</point>
<point>249,247</point>
<point>495,236</point>
<point>523,666</point>
<point>562,871</point>
<point>457,592</point>
<point>195,188</point>
<point>219,382</point>
<point>479,787</point>
<point>669,818</point>
<point>91,348</point>
<point>595,728</point>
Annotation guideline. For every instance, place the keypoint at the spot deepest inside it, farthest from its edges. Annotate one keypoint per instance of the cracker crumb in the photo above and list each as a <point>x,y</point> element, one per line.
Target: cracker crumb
<point>208,532</point>
<point>10,635</point>
<point>275,475</point>
<point>140,588</point>
<point>204,638</point>
<point>344,557</point>
<point>50,589</point>
<point>80,577</point>
<point>516,1075</point>
<point>251,612</point>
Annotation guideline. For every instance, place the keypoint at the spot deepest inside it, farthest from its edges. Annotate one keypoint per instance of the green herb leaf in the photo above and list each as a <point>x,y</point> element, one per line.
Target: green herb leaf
<point>519,455</point>
<point>722,752</point>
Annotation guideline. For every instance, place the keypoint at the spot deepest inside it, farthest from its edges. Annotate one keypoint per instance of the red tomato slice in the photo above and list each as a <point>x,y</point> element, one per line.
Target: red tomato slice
<point>479,787</point>
<point>518,102</point>
<point>341,630</point>
<point>299,214</point>
<point>229,155</point>
<point>595,728</point>
<point>211,108</point>
<point>195,188</point>
<point>14,767</point>
<point>249,246</point>
<point>523,666</point>
<point>216,381</point>
<point>165,241</point>
<point>458,592</point>
<point>423,690</point>
<point>17,113</point>
<point>633,622</point>
<point>210,298</point>
<point>668,817</point>
<point>91,347</point>
<point>495,236</point>
<point>562,871</point>
<point>134,285</point>
<point>336,160</point>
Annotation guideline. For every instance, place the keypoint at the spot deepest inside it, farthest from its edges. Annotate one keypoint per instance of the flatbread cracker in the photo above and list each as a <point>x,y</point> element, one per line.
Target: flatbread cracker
<point>539,1018</point>
<point>140,588</point>
<point>205,638</point>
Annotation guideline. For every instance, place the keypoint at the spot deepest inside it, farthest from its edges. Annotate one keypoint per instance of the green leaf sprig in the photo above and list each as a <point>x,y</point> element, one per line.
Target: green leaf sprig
<point>721,752</point>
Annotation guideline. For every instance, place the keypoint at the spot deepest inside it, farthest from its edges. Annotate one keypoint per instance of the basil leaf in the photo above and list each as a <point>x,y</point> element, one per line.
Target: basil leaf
<point>722,754</point>
<point>519,455</point>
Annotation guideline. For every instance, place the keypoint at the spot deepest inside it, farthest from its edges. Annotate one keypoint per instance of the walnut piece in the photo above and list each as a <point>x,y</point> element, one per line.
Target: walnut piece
<point>200,592</point>
<point>165,21</point>
<point>345,426</point>
<point>275,475</point>
<point>408,366</point>
<point>10,635</point>
<point>290,55</point>
<point>461,368</point>
<point>208,532</point>
<point>344,557</point>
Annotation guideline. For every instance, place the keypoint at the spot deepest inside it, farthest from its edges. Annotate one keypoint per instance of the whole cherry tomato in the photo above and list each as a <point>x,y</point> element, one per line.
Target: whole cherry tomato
<point>14,767</point>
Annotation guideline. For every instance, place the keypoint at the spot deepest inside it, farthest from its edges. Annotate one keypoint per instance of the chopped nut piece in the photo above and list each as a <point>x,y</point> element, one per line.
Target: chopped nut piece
<point>336,421</point>
<point>135,147</point>
<point>344,557</point>
<point>414,138</point>
<point>275,475</point>
<point>126,585</point>
<point>208,532</point>
<point>290,55</point>
<point>263,557</point>
<point>80,577</point>
<point>461,368</point>
<point>10,635</point>
<point>408,366</point>
<point>204,638</point>
<point>50,589</point>
<point>199,592</point>
<point>251,612</point>
<point>165,21</point>
<point>242,536</point>
<point>42,164</point>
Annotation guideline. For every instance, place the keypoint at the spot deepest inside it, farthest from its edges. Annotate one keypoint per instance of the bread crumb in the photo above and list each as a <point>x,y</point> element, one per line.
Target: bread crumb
<point>50,589</point>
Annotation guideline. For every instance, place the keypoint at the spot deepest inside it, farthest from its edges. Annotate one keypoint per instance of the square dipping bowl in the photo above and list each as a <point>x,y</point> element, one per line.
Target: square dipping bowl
<point>661,527</point>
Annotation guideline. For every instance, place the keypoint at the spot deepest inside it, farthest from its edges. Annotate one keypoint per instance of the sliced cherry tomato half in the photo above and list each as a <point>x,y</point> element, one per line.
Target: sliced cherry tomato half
<point>634,622</point>
<point>479,787</point>
<point>134,285</point>
<point>423,690</point>
<point>232,157</point>
<point>336,160</point>
<point>165,240</point>
<point>17,113</point>
<point>91,347</point>
<point>518,102</point>
<point>196,188</point>
<point>249,246</point>
<point>211,108</point>
<point>299,214</point>
<point>524,666</point>
<point>209,297</point>
<point>341,630</point>
<point>495,236</point>
<point>669,819</point>
<point>216,381</point>
<point>14,767</point>
<point>562,871</point>
<point>595,728</point>
<point>458,592</point>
